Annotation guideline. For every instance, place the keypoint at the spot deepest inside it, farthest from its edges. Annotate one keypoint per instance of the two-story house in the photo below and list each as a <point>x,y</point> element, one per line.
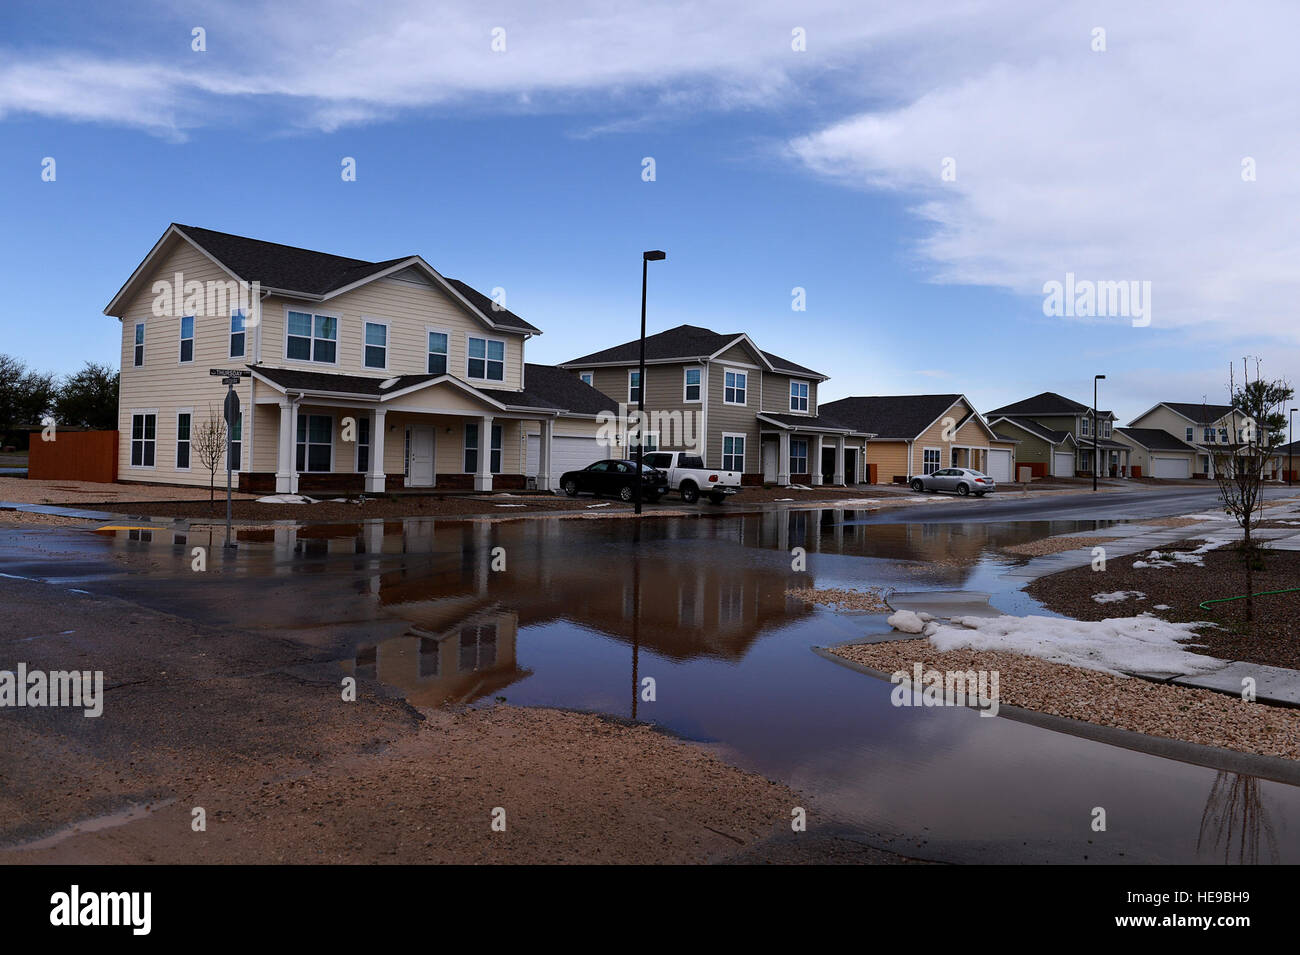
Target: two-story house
<point>1057,437</point>
<point>743,409</point>
<point>364,375</point>
<point>1204,431</point>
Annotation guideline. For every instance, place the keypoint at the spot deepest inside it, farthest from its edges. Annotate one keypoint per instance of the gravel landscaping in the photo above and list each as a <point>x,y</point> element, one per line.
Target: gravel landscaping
<point>1055,545</point>
<point>867,601</point>
<point>1273,639</point>
<point>1157,709</point>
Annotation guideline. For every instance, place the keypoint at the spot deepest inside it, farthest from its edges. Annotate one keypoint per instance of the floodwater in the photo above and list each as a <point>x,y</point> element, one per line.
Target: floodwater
<point>579,613</point>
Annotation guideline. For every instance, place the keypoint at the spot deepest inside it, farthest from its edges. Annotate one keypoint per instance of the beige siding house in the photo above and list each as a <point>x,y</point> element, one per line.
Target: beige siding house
<point>1208,430</point>
<point>359,375</point>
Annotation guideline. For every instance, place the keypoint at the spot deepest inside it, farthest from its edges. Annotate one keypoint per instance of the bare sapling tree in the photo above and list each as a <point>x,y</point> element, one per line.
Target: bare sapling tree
<point>1245,461</point>
<point>209,444</point>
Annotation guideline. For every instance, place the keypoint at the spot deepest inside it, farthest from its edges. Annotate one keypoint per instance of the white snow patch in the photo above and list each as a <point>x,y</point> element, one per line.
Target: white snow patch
<point>1121,645</point>
<point>604,504</point>
<point>1118,595</point>
<point>286,499</point>
<point>906,621</point>
<point>1195,557</point>
<point>1161,607</point>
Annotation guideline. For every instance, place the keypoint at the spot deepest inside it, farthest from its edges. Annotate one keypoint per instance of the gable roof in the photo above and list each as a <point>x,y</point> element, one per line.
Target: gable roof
<point>898,417</point>
<point>1030,426</point>
<point>1201,414</point>
<point>295,272</point>
<point>803,422</point>
<point>563,389</point>
<point>1155,439</point>
<point>1047,404</point>
<point>684,343</point>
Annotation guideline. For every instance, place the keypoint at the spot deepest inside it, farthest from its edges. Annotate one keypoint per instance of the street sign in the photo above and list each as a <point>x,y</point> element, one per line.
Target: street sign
<point>230,373</point>
<point>230,381</point>
<point>232,408</point>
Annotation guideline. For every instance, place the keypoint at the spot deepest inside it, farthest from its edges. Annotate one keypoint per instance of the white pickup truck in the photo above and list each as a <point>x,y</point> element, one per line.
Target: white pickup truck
<point>688,476</point>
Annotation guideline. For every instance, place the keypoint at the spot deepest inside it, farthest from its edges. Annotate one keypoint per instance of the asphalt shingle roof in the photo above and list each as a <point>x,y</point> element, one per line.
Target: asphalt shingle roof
<point>889,416</point>
<point>1155,439</point>
<point>315,273</point>
<point>1048,404</point>
<point>1034,428</point>
<point>813,422</point>
<point>685,343</point>
<point>1201,414</point>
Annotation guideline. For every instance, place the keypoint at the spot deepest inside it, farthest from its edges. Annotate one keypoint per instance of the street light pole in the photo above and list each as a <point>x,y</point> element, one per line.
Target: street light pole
<point>1290,449</point>
<point>1095,379</point>
<point>646,259</point>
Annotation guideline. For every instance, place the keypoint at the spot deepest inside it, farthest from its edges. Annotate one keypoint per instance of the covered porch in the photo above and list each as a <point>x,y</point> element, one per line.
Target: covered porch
<point>1112,458</point>
<point>803,450</point>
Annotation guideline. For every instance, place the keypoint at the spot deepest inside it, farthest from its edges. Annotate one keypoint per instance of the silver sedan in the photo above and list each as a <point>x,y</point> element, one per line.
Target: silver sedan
<point>963,481</point>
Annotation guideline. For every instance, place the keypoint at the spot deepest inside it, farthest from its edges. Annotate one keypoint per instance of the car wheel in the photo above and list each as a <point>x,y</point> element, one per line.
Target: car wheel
<point>571,487</point>
<point>717,498</point>
<point>625,493</point>
<point>918,485</point>
<point>690,493</point>
<point>963,490</point>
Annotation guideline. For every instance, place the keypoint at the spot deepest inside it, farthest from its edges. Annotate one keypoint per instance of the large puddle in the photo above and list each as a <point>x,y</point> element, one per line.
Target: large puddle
<point>579,613</point>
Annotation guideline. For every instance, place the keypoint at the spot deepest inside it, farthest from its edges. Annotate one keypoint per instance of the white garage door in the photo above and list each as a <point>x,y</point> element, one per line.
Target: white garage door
<point>567,454</point>
<point>1063,464</point>
<point>1171,467</point>
<point>999,465</point>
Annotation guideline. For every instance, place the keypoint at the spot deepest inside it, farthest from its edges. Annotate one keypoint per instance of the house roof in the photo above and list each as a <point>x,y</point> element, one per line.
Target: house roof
<point>547,388</point>
<point>1031,426</point>
<point>683,343</point>
<point>803,422</point>
<point>1155,439</point>
<point>897,417</point>
<point>1005,437</point>
<point>1201,414</point>
<point>1047,404</point>
<point>291,270</point>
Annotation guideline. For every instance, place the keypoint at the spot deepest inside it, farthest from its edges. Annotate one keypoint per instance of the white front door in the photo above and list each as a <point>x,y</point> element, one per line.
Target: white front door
<point>770,451</point>
<point>421,457</point>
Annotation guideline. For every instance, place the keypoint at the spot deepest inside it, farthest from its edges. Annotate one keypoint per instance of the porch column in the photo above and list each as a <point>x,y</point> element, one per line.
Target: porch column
<point>815,460</point>
<point>839,460</point>
<point>783,458</point>
<point>284,462</point>
<point>375,477</point>
<point>544,455</point>
<point>483,476</point>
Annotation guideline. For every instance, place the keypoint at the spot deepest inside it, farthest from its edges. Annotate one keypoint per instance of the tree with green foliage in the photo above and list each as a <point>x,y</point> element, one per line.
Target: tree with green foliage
<point>88,399</point>
<point>26,397</point>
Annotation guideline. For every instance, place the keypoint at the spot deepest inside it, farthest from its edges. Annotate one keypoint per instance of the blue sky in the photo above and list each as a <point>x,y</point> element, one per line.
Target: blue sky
<point>775,168</point>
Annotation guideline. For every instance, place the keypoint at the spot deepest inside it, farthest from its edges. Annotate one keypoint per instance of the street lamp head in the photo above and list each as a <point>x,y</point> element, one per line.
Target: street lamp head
<point>1100,377</point>
<point>654,256</point>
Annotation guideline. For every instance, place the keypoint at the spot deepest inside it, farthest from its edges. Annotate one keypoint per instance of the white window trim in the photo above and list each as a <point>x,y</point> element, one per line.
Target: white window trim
<point>307,454</point>
<point>630,373</point>
<point>231,333</point>
<point>505,358</point>
<point>735,371</point>
<point>338,341</point>
<point>700,399</point>
<point>388,343</point>
<point>587,378</point>
<point>427,353</point>
<point>177,441</point>
<point>143,337</point>
<point>807,398</point>
<point>130,439</point>
<point>938,467</point>
<point>180,338</point>
<point>744,447</point>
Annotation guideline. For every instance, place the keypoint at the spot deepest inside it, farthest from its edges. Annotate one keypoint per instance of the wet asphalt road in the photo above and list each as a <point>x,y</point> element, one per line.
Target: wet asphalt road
<point>1107,505</point>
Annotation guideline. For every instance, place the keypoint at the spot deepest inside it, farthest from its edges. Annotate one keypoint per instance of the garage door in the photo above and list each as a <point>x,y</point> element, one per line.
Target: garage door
<point>567,454</point>
<point>1063,464</point>
<point>999,465</point>
<point>1171,467</point>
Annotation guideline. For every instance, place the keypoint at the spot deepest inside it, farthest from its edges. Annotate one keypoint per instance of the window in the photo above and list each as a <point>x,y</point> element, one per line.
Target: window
<point>586,378</point>
<point>437,353</point>
<point>633,387</point>
<point>798,456</point>
<point>1083,425</point>
<point>144,437</point>
<point>1106,428</point>
<point>799,397</point>
<point>658,460</point>
<point>363,444</point>
<point>1191,432</point>
<point>312,338</point>
<point>315,442</point>
<point>651,442</point>
<point>187,338</point>
<point>733,452</point>
<point>471,449</point>
<point>478,647</point>
<point>139,344</point>
<point>237,443</point>
<point>487,359</point>
<point>930,462</point>
<point>692,387</point>
<point>376,355</point>
<point>183,441</point>
<point>1223,435</point>
<point>1208,435</point>
<point>237,335</point>
<point>734,388</point>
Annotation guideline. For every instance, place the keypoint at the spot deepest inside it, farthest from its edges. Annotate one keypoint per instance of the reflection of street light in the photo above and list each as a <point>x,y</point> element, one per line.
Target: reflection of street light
<point>1290,449</point>
<point>1095,379</point>
<point>646,258</point>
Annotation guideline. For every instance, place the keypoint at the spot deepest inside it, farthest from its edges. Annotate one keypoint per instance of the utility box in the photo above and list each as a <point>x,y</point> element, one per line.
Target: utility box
<point>1025,474</point>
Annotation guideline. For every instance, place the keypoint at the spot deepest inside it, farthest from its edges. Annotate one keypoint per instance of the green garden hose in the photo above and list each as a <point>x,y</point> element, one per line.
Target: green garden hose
<point>1205,604</point>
